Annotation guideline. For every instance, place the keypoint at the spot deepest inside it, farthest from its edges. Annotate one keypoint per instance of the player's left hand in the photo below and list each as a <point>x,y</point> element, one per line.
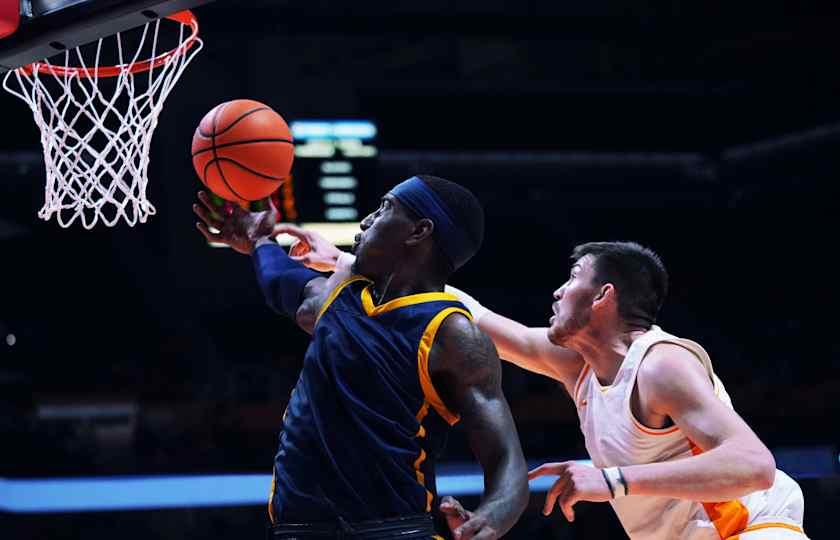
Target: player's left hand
<point>576,482</point>
<point>463,524</point>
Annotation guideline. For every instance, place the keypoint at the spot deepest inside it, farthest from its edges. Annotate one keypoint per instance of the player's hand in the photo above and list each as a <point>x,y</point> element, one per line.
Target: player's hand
<point>463,524</point>
<point>577,482</point>
<point>237,228</point>
<point>310,248</point>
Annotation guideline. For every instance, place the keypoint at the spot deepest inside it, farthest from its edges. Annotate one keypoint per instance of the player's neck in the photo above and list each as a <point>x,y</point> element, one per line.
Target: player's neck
<point>403,283</point>
<point>604,349</point>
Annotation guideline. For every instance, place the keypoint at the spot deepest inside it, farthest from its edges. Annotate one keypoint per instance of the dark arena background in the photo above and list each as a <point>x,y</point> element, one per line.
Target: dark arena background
<point>143,379</point>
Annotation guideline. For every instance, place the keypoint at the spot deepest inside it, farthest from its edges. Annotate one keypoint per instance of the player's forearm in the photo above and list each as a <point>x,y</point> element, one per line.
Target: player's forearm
<point>515,342</point>
<point>505,491</point>
<point>731,470</point>
<point>282,280</point>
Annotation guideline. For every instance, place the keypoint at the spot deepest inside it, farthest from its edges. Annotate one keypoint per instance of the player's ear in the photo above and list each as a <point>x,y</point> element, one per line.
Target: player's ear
<point>606,294</point>
<point>423,228</point>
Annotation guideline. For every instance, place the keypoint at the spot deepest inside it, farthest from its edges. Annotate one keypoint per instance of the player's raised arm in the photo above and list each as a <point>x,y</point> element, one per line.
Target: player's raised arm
<point>528,348</point>
<point>288,286</point>
<point>464,366</point>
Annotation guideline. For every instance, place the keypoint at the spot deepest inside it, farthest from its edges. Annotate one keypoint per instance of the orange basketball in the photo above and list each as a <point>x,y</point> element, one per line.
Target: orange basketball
<point>242,150</point>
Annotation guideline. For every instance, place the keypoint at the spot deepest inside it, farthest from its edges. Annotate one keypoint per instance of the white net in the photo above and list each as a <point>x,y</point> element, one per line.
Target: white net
<point>97,122</point>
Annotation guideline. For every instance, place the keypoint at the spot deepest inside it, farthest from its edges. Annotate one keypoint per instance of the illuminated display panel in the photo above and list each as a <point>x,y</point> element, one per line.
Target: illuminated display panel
<point>330,189</point>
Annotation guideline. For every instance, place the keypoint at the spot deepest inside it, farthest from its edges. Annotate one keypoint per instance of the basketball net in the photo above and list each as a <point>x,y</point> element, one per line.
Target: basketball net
<point>96,136</point>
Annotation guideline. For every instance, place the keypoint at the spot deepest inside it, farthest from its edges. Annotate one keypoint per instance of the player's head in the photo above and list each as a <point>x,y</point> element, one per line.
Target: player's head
<point>424,221</point>
<point>621,282</point>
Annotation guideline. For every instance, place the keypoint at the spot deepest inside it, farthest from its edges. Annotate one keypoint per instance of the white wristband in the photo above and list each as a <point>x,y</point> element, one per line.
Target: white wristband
<point>615,481</point>
<point>476,309</point>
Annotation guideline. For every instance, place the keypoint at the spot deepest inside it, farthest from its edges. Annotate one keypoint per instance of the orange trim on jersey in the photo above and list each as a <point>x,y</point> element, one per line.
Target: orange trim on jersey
<point>421,478</point>
<point>652,431</point>
<point>423,351</point>
<point>729,517</point>
<point>271,497</point>
<point>372,309</point>
<point>768,525</point>
<point>335,292</point>
<point>583,373</point>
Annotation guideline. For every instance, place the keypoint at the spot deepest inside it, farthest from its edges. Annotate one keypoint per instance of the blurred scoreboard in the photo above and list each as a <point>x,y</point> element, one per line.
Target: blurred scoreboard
<point>333,178</point>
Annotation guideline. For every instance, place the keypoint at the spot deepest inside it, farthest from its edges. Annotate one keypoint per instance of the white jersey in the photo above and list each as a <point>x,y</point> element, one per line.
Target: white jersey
<point>615,438</point>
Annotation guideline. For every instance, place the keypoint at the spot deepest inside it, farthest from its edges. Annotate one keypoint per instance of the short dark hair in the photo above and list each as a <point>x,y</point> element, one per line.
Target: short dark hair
<point>466,211</point>
<point>637,273</point>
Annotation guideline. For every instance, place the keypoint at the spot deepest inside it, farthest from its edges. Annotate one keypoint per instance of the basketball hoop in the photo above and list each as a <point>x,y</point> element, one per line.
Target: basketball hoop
<point>96,135</point>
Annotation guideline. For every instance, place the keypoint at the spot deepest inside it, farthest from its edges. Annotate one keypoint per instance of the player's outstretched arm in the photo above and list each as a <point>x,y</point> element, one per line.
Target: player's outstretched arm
<point>465,368</point>
<point>528,348</point>
<point>730,460</point>
<point>288,286</point>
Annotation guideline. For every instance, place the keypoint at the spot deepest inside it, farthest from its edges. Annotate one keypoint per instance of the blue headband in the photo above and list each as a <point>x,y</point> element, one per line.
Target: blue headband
<point>418,197</point>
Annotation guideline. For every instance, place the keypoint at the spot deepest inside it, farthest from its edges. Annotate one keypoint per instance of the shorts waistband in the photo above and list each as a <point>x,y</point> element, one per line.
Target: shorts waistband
<point>406,527</point>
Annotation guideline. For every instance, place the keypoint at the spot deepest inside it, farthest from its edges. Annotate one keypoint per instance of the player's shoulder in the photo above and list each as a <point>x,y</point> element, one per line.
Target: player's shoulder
<point>330,290</point>
<point>459,329</point>
<point>669,370</point>
<point>461,341</point>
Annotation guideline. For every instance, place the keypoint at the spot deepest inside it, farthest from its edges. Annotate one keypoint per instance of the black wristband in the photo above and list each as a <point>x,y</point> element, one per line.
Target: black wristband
<point>609,484</point>
<point>623,481</point>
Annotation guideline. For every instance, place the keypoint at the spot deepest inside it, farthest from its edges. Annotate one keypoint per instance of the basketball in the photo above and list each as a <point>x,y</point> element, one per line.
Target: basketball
<point>242,150</point>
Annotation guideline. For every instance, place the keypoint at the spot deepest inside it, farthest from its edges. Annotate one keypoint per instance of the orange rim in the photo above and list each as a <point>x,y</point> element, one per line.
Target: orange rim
<point>185,17</point>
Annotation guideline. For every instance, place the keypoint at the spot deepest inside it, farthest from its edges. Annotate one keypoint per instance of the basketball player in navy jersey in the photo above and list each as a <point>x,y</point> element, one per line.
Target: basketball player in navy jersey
<point>393,363</point>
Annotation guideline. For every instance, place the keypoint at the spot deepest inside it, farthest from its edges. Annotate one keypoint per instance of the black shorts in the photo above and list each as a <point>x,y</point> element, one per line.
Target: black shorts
<point>405,528</point>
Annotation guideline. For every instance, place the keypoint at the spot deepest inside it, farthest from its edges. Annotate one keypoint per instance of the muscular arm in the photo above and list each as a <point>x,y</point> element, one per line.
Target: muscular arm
<point>466,371</point>
<point>733,462</point>
<point>529,348</point>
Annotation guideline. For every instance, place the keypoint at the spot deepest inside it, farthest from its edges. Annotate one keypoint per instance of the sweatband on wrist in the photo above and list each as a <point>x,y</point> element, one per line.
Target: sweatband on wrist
<point>418,197</point>
<point>281,279</point>
<point>615,480</point>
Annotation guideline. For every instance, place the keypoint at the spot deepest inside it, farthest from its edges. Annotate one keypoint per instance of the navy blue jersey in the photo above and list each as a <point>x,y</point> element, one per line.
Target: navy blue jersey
<point>364,424</point>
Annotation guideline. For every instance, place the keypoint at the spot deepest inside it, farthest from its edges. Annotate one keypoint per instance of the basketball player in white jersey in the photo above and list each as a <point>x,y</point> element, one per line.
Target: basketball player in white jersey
<point>669,452</point>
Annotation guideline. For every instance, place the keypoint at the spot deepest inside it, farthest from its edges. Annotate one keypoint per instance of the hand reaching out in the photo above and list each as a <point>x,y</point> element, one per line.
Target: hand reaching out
<point>237,228</point>
<point>311,249</point>
<point>576,482</point>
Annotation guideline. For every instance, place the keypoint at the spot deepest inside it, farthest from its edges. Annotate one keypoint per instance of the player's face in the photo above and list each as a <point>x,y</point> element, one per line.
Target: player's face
<point>379,246</point>
<point>573,302</point>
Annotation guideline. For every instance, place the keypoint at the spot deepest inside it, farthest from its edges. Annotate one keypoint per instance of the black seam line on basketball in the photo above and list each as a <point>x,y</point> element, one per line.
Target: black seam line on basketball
<point>213,138</point>
<point>222,175</point>
<point>215,157</point>
<point>252,171</point>
<point>214,147</point>
<point>243,115</point>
